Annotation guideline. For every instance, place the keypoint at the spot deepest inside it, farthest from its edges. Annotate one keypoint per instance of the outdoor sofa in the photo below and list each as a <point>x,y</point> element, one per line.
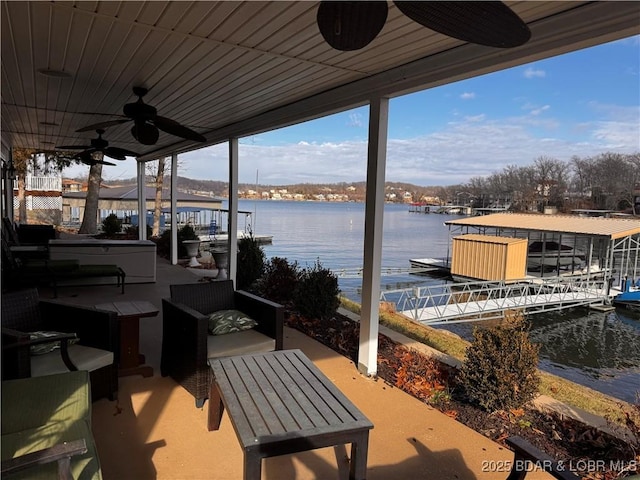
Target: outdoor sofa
<point>46,428</point>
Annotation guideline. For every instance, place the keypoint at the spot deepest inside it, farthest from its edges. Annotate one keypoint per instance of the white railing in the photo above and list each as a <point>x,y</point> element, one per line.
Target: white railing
<point>43,184</point>
<point>471,301</point>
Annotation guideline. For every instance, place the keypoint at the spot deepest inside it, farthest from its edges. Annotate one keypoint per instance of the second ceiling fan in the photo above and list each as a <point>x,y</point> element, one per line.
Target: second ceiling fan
<point>147,122</point>
<point>98,145</point>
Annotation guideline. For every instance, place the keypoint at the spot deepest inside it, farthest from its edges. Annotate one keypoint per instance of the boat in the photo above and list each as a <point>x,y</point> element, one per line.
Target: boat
<point>630,296</point>
<point>551,254</point>
<point>629,300</point>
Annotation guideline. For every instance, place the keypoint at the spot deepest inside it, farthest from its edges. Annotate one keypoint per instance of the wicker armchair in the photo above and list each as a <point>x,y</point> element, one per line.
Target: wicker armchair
<point>97,348</point>
<point>186,343</point>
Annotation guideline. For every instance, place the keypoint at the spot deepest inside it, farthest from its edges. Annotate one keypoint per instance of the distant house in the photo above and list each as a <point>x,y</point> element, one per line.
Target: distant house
<point>69,185</point>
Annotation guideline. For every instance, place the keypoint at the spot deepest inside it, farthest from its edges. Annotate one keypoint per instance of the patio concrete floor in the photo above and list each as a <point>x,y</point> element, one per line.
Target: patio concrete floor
<point>155,431</point>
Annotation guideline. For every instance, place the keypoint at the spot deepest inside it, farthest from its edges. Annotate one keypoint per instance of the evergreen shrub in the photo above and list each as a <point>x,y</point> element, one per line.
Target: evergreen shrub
<point>111,225</point>
<point>279,280</point>
<point>316,295</point>
<point>251,259</point>
<point>500,369</point>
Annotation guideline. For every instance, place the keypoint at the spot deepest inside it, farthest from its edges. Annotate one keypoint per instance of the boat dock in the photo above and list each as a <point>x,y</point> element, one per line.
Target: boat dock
<point>221,239</point>
<point>438,266</point>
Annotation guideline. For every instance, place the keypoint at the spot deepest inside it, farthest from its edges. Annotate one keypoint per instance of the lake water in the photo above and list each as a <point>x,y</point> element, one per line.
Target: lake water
<point>599,350</point>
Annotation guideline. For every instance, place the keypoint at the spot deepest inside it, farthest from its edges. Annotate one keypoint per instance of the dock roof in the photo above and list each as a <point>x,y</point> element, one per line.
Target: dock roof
<point>612,228</point>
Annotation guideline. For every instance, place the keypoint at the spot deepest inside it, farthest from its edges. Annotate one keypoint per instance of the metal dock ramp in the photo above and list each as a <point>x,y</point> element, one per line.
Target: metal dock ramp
<point>472,301</point>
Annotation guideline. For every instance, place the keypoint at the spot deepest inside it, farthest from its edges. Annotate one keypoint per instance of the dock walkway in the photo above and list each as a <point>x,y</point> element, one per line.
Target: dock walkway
<point>473,301</point>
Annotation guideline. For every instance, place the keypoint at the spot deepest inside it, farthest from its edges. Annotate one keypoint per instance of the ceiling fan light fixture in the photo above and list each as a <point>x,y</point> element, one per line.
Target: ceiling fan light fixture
<point>351,25</point>
<point>145,133</point>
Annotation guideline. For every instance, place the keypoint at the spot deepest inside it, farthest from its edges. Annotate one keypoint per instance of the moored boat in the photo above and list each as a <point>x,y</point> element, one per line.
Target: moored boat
<point>551,254</point>
<point>629,300</point>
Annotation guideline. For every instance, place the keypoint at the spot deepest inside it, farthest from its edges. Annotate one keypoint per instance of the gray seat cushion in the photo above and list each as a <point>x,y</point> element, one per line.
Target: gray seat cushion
<point>83,357</point>
<point>239,343</point>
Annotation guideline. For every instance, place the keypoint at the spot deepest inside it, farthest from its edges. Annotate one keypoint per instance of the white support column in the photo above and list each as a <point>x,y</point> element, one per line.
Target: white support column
<point>233,208</point>
<point>142,201</point>
<point>174,209</point>
<point>374,214</point>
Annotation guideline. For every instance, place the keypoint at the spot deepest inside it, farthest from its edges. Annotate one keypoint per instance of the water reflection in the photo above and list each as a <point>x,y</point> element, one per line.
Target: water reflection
<point>595,341</point>
<point>598,350</point>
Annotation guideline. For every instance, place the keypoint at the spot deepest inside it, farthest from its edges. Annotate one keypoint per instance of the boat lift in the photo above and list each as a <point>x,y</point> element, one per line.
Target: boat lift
<point>490,300</point>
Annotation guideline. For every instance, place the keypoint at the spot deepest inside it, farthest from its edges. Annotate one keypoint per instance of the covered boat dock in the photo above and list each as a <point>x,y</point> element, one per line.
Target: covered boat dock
<point>609,247</point>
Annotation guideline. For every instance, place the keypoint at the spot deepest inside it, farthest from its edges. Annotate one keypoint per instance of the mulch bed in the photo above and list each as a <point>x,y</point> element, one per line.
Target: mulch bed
<point>563,439</point>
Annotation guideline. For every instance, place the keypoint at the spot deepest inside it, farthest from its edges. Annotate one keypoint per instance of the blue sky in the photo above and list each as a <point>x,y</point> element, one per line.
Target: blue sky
<point>583,103</point>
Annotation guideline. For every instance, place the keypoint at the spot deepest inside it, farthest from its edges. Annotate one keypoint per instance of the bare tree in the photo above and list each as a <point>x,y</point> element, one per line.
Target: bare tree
<point>550,176</point>
<point>157,210</point>
<point>21,158</point>
<point>614,180</point>
<point>89,223</point>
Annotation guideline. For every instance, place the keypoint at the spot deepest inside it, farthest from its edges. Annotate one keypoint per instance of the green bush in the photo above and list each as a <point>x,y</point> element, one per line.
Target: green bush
<point>316,295</point>
<point>500,370</point>
<point>279,280</point>
<point>251,259</point>
<point>111,224</point>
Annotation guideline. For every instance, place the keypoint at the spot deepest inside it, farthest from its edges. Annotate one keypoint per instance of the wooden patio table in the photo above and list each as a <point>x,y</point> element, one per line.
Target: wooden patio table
<point>131,361</point>
<point>279,403</point>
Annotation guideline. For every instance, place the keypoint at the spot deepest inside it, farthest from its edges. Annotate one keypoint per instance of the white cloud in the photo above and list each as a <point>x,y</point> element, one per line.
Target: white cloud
<point>355,120</point>
<point>533,73</point>
<point>475,118</point>
<point>473,146</point>
<point>538,111</point>
<point>468,96</point>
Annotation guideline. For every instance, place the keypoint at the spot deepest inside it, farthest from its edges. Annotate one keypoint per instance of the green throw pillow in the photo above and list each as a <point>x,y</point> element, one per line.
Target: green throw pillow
<point>42,348</point>
<point>228,321</point>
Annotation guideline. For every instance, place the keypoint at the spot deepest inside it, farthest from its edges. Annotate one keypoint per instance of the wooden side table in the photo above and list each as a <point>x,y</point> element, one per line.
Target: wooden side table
<point>131,361</point>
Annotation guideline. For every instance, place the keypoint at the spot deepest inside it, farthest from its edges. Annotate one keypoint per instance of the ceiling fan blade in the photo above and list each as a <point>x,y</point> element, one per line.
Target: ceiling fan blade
<point>351,25</point>
<point>73,147</point>
<point>103,125</point>
<point>174,128</point>
<point>120,152</point>
<point>88,159</point>
<point>102,162</point>
<point>489,23</point>
<point>112,153</point>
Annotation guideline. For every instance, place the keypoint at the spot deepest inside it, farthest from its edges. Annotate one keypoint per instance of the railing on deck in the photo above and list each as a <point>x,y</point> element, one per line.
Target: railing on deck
<point>43,184</point>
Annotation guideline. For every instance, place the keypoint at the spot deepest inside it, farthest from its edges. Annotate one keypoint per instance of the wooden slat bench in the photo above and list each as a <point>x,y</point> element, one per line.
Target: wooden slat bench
<point>280,403</point>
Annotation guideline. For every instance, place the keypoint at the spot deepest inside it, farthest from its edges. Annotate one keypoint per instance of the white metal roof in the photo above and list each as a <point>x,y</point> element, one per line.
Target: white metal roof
<point>596,226</point>
<point>234,68</point>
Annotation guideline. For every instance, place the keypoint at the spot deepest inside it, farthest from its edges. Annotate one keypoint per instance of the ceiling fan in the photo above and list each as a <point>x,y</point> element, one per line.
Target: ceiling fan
<point>352,25</point>
<point>146,122</point>
<point>98,145</point>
